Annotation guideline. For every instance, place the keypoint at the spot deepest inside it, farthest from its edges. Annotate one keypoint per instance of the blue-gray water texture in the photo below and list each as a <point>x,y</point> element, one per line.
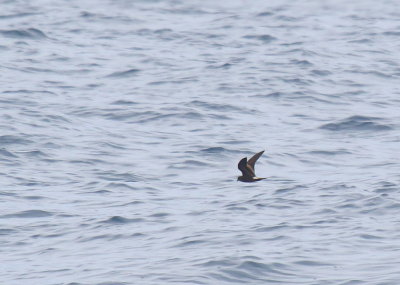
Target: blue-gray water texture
<point>122,123</point>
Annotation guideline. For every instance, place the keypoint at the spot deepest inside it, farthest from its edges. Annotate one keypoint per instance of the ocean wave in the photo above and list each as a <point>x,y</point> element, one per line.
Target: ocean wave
<point>6,153</point>
<point>122,220</point>
<point>124,74</point>
<point>30,33</point>
<point>358,123</point>
<point>262,38</point>
<point>12,139</point>
<point>29,214</point>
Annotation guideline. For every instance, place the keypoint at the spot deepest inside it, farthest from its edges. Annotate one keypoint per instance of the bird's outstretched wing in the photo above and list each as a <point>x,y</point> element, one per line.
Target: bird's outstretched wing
<point>243,167</point>
<point>252,161</point>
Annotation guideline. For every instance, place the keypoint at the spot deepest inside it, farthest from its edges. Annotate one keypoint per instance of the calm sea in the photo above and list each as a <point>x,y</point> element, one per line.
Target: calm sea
<point>122,123</point>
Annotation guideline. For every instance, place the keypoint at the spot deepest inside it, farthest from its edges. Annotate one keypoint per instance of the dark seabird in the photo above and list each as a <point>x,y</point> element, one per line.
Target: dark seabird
<point>247,168</point>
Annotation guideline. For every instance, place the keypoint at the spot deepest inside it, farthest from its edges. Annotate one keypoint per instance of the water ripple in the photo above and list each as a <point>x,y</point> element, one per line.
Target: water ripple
<point>358,123</point>
<point>124,74</point>
<point>30,33</point>
<point>122,124</point>
<point>122,220</point>
<point>29,214</point>
<point>262,38</point>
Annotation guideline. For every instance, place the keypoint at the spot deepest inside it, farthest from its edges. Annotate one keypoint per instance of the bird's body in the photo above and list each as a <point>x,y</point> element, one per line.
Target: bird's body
<point>247,168</point>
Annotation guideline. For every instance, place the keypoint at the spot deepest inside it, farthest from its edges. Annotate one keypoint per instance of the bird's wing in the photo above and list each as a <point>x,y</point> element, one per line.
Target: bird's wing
<point>252,161</point>
<point>243,167</point>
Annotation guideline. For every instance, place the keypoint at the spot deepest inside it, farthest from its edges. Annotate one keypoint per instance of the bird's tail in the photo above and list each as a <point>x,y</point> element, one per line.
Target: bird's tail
<point>259,178</point>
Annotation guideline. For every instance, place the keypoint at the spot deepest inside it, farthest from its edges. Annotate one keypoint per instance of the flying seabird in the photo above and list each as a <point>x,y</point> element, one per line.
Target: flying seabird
<point>247,168</point>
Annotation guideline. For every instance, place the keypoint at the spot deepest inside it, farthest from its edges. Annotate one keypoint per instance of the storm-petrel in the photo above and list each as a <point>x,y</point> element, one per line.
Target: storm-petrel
<point>247,168</point>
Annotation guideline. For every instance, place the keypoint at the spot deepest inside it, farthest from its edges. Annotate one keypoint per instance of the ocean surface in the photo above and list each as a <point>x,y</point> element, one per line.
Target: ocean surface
<point>122,123</point>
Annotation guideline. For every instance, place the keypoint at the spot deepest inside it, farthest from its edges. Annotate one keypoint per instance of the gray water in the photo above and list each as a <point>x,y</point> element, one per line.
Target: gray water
<point>122,123</point>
